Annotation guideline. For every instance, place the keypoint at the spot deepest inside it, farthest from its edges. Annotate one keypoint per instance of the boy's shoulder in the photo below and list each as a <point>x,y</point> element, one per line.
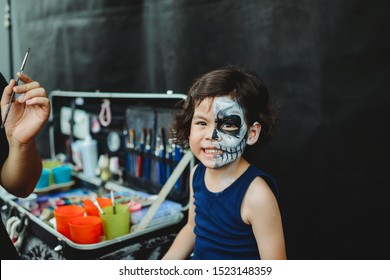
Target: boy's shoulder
<point>259,194</point>
<point>263,179</point>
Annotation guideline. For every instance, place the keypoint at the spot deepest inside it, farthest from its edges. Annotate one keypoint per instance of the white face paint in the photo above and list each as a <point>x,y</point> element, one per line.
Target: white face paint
<point>230,131</point>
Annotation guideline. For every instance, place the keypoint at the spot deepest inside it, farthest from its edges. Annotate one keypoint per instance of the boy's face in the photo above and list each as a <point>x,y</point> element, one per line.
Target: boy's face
<point>218,131</point>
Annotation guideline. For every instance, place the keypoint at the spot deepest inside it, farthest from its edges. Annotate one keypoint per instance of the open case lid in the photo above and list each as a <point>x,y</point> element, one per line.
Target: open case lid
<point>119,103</point>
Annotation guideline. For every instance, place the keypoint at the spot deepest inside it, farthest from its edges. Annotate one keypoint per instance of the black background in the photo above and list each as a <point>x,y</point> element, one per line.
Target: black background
<point>326,63</point>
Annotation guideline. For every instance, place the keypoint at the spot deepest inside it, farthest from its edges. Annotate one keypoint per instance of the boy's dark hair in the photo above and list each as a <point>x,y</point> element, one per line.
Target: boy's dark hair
<point>241,85</point>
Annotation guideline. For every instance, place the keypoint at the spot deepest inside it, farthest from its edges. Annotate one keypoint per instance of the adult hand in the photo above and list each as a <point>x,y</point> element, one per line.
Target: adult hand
<point>28,113</point>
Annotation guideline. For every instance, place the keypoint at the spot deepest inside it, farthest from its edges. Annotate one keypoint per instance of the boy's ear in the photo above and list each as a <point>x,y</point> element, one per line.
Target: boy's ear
<point>254,133</point>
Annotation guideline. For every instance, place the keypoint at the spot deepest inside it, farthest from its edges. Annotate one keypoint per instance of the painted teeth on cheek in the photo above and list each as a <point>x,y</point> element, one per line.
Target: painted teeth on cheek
<point>231,153</point>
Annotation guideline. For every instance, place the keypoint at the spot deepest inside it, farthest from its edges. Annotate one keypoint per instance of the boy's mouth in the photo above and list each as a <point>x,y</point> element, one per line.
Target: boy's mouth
<point>213,151</point>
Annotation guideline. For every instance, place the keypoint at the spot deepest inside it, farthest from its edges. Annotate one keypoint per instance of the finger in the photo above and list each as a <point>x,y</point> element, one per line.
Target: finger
<point>26,87</point>
<point>24,78</point>
<point>36,92</point>
<point>41,101</point>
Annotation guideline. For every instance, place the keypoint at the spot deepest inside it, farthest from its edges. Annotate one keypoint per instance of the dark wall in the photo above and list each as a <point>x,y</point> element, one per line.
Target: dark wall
<point>326,62</point>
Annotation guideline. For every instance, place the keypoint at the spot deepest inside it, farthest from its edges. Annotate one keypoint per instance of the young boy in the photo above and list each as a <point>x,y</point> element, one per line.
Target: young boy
<point>233,210</point>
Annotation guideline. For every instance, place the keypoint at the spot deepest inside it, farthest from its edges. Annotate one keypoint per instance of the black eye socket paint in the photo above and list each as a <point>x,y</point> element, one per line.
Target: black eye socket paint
<point>229,124</point>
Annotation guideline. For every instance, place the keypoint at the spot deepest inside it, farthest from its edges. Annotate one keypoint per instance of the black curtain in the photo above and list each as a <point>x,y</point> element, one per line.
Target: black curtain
<point>326,63</point>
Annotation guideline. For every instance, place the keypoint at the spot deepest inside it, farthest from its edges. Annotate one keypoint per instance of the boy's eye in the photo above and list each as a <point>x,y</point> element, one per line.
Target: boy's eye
<point>228,126</point>
<point>201,123</point>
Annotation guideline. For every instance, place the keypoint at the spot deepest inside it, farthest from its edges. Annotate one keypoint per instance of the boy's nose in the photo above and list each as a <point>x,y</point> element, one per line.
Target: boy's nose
<point>215,135</point>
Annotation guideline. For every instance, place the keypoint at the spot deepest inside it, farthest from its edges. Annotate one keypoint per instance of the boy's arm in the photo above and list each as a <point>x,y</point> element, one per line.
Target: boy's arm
<point>183,244</point>
<point>261,210</point>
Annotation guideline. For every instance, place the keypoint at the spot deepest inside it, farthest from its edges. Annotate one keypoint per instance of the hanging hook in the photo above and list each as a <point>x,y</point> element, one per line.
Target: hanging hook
<point>105,113</point>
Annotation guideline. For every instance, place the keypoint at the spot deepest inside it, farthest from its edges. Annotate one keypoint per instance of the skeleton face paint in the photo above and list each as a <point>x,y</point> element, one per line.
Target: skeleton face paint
<point>230,130</point>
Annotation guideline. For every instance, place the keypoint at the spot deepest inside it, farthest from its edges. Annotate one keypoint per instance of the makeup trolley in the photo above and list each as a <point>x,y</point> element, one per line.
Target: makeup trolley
<point>164,178</point>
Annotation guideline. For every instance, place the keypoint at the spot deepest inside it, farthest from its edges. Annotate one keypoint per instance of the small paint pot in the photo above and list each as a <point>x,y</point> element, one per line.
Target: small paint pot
<point>62,174</point>
<point>44,180</point>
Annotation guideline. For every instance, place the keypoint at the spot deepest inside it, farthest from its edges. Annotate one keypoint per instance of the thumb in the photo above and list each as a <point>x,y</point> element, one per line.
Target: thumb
<point>7,93</point>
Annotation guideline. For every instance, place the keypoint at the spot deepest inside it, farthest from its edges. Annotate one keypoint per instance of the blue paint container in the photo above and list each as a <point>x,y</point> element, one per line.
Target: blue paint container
<point>43,181</point>
<point>62,174</point>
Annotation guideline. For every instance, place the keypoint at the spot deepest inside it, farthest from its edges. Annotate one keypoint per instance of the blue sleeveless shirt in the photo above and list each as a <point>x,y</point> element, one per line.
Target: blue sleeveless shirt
<point>220,231</point>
